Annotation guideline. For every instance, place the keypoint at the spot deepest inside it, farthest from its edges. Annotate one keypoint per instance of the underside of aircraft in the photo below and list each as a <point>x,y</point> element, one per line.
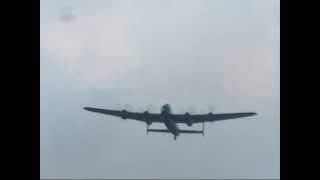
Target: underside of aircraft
<point>171,119</point>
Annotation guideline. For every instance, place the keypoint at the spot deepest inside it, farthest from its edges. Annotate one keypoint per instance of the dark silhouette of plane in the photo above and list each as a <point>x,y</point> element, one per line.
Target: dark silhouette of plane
<point>171,120</point>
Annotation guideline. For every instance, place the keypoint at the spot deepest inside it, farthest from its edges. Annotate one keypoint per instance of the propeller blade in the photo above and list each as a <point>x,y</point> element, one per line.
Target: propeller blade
<point>192,110</point>
<point>128,107</point>
<point>150,108</point>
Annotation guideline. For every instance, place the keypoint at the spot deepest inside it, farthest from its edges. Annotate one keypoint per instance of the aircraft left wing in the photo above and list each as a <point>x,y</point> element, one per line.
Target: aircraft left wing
<point>145,117</point>
<point>210,117</point>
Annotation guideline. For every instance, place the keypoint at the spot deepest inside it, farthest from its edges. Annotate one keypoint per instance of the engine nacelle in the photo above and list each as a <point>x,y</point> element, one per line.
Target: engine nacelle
<point>210,114</point>
<point>124,114</point>
<point>146,115</point>
<point>188,119</point>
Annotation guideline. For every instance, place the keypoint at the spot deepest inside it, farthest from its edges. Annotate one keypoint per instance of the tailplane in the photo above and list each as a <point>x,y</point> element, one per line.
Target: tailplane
<point>191,131</point>
<point>158,130</point>
<point>180,131</point>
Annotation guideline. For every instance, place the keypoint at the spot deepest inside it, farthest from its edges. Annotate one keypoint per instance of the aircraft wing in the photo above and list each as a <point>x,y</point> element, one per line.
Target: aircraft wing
<point>145,117</point>
<point>210,117</point>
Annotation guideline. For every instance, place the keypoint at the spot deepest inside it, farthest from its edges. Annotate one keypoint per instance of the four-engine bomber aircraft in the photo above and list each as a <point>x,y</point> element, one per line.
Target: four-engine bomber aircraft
<point>170,120</point>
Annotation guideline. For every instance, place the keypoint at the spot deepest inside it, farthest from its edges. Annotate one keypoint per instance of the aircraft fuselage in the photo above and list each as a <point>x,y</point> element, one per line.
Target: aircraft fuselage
<point>172,126</point>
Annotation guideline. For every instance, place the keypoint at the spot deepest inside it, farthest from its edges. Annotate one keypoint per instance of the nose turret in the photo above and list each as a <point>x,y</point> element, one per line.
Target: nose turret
<point>166,109</point>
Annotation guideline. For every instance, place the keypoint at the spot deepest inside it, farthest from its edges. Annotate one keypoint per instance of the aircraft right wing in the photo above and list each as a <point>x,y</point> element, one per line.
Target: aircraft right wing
<point>210,117</point>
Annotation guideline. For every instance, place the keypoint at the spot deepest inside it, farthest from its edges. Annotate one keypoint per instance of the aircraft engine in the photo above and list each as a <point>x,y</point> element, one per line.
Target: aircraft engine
<point>123,114</point>
<point>188,119</point>
<point>146,113</point>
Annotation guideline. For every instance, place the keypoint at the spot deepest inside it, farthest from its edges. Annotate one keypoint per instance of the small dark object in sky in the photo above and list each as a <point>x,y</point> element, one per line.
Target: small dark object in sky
<point>67,15</point>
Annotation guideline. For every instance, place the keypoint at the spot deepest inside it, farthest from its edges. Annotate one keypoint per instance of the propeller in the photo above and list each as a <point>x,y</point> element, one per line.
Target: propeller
<point>192,110</point>
<point>150,108</point>
<point>128,107</point>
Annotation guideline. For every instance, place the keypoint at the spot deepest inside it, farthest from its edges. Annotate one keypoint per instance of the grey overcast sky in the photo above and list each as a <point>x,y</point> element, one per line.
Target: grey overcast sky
<point>189,53</point>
